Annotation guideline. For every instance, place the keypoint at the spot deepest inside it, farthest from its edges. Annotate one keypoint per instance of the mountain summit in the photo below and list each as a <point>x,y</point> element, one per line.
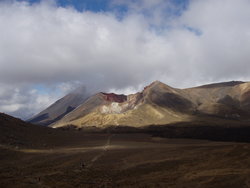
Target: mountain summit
<point>61,107</point>
<point>156,104</point>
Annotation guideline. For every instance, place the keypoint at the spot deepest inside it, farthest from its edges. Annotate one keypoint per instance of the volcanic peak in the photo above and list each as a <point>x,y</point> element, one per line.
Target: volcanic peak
<point>159,104</point>
<point>152,85</point>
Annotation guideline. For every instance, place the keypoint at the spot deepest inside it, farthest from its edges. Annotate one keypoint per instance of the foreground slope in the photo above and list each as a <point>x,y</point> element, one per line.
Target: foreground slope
<point>160,104</point>
<point>15,133</point>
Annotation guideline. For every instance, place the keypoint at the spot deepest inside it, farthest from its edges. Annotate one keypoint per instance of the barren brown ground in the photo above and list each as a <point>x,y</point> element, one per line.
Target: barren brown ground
<point>126,160</point>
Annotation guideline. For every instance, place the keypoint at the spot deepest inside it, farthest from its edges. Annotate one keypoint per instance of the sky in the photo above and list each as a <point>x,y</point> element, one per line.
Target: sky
<point>50,47</point>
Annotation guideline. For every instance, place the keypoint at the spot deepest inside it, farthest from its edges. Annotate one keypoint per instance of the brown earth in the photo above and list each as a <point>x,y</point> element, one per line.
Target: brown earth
<point>127,160</point>
<point>35,156</point>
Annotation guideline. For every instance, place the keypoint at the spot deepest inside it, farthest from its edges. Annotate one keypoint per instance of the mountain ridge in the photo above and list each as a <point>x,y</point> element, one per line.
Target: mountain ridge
<point>160,104</point>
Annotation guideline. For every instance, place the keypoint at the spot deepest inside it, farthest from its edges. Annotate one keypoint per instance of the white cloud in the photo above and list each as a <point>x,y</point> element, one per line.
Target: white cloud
<point>23,101</point>
<point>60,47</point>
<point>225,39</point>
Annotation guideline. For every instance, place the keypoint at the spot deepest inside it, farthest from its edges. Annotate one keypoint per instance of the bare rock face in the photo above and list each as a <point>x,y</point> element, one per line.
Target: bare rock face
<point>112,97</point>
<point>119,103</point>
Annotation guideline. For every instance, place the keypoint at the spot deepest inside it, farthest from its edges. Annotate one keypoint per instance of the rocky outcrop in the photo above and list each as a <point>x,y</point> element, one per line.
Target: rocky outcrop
<point>112,97</point>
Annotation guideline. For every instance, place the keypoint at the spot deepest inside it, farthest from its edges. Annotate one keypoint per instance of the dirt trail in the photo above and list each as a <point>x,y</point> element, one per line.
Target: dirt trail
<point>104,150</point>
<point>64,149</point>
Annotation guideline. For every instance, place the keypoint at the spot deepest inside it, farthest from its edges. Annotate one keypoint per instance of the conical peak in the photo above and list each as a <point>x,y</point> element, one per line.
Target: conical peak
<point>79,90</point>
<point>155,84</point>
<point>152,84</point>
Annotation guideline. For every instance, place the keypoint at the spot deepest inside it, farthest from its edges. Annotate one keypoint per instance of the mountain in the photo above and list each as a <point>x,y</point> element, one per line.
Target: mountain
<point>143,108</point>
<point>225,100</point>
<point>159,104</point>
<point>61,107</point>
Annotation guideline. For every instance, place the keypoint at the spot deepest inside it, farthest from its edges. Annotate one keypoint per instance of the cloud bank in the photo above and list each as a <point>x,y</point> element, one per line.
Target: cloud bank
<point>60,48</point>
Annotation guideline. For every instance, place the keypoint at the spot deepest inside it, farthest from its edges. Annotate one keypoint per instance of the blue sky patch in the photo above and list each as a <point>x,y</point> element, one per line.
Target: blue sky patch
<point>104,5</point>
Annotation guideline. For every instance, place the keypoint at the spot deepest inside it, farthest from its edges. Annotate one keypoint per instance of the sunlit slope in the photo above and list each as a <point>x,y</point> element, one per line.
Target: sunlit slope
<point>156,104</point>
